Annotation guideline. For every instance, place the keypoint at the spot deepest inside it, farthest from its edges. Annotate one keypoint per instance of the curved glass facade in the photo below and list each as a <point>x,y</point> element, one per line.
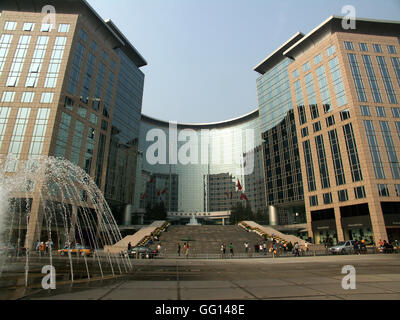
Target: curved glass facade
<point>215,165</point>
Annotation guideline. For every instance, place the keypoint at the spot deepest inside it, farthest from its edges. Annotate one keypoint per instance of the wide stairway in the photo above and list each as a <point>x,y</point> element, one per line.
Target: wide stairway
<point>205,241</point>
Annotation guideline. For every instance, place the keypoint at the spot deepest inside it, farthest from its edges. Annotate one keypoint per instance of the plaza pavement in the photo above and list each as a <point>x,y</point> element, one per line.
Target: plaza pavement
<point>316,278</point>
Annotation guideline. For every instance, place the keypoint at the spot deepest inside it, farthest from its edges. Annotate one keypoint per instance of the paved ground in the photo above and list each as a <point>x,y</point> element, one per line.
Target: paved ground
<point>377,277</point>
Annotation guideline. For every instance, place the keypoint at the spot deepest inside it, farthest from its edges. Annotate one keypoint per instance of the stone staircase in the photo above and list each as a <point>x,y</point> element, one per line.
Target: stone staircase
<point>206,240</point>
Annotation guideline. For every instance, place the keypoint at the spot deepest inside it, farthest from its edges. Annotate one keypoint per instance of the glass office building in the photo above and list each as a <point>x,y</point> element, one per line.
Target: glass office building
<point>223,157</point>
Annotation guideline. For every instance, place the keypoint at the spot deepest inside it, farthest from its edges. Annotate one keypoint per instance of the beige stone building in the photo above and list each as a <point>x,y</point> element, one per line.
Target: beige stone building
<point>70,87</point>
<point>345,87</point>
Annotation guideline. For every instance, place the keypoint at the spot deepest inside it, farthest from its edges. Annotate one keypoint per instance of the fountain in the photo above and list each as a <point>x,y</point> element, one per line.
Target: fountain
<point>53,213</point>
<point>193,221</point>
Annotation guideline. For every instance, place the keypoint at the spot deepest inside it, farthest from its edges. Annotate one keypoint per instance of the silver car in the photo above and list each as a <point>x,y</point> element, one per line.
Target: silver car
<point>344,247</point>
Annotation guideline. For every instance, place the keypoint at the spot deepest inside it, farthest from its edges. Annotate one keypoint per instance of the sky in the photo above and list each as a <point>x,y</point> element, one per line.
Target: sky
<point>201,53</point>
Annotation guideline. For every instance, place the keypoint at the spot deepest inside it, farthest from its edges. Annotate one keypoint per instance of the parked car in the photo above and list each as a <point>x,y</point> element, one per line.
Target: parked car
<point>344,247</point>
<point>142,252</point>
<point>77,250</point>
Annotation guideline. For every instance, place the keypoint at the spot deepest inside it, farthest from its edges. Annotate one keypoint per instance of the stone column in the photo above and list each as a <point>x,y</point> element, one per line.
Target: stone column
<point>338,220</point>
<point>273,216</point>
<point>128,215</point>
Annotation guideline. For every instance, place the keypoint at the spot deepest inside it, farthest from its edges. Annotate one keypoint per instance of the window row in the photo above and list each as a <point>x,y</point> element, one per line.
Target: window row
<point>343,196</point>
<point>364,47</point>
<point>27,97</point>
<point>30,26</point>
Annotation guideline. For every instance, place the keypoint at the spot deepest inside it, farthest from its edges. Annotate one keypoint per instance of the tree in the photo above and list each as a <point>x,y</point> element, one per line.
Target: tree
<point>239,213</point>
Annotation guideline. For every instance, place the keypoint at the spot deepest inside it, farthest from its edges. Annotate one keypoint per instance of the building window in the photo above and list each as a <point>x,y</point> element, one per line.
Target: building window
<point>359,193</point>
<point>318,59</point>
<point>18,61</point>
<point>309,165</point>
<point>327,108</point>
<point>327,198</point>
<point>397,188</point>
<point>383,190</point>
<point>306,67</point>
<point>37,62</point>
<point>93,46</point>
<point>374,149</point>
<point>357,78</point>
<point>337,82</point>
<point>348,45</point>
<point>377,48</point>
<point>304,132</point>
<point>330,51</point>
<point>365,111</point>
<point>298,93</point>
<point>314,111</point>
<point>5,43</point>
<point>337,158</point>
<point>317,126</point>
<point>295,74</point>
<point>82,111</point>
<point>18,137</point>
<point>63,28</point>
<point>46,27</point>
<point>380,112</point>
<point>352,153</point>
<point>373,83</point>
<point>310,89</point>
<point>47,97</point>
<point>330,121</point>
<point>103,55</point>
<point>390,149</point>
<point>27,97</point>
<point>55,62</point>
<point>28,26</point>
<point>386,79</point>
<point>69,103</point>
<point>77,142</point>
<point>322,161</point>
<point>302,114</point>
<point>75,69</point>
<point>343,195</point>
<point>39,133</point>
<point>94,119</point>
<point>392,49</point>
<point>82,35</point>
<point>313,201</point>
<point>345,115</point>
<point>104,125</point>
<point>396,67</point>
<point>363,47</point>
<point>10,26</point>
<point>8,96</point>
<point>63,134</point>
<point>396,112</point>
<point>4,116</point>
<point>96,105</point>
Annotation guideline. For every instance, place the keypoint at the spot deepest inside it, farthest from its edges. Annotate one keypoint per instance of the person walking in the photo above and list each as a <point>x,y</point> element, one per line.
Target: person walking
<point>187,248</point>
<point>265,247</point>
<point>179,249</point>
<point>231,250</point>
<point>246,247</point>
<point>224,249</point>
<point>129,247</point>
<point>159,248</point>
<point>296,250</point>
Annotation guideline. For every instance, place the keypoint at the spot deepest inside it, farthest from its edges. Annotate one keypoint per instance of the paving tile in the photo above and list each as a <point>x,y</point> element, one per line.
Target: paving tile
<point>205,284</point>
<point>261,283</point>
<point>215,294</point>
<point>283,292</point>
<point>142,294</point>
<point>149,284</point>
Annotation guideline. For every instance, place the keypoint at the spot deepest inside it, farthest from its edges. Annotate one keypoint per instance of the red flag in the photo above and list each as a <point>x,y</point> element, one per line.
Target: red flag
<point>239,186</point>
<point>151,180</point>
<point>164,191</point>
<point>243,196</point>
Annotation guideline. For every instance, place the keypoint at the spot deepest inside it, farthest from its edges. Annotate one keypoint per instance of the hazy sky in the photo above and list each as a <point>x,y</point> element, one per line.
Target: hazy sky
<point>201,53</point>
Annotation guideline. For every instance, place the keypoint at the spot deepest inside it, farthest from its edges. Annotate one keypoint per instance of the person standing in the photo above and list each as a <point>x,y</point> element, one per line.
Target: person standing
<point>265,248</point>
<point>224,249</point>
<point>179,249</point>
<point>246,247</point>
<point>129,247</point>
<point>159,248</point>
<point>231,249</point>
<point>187,250</point>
